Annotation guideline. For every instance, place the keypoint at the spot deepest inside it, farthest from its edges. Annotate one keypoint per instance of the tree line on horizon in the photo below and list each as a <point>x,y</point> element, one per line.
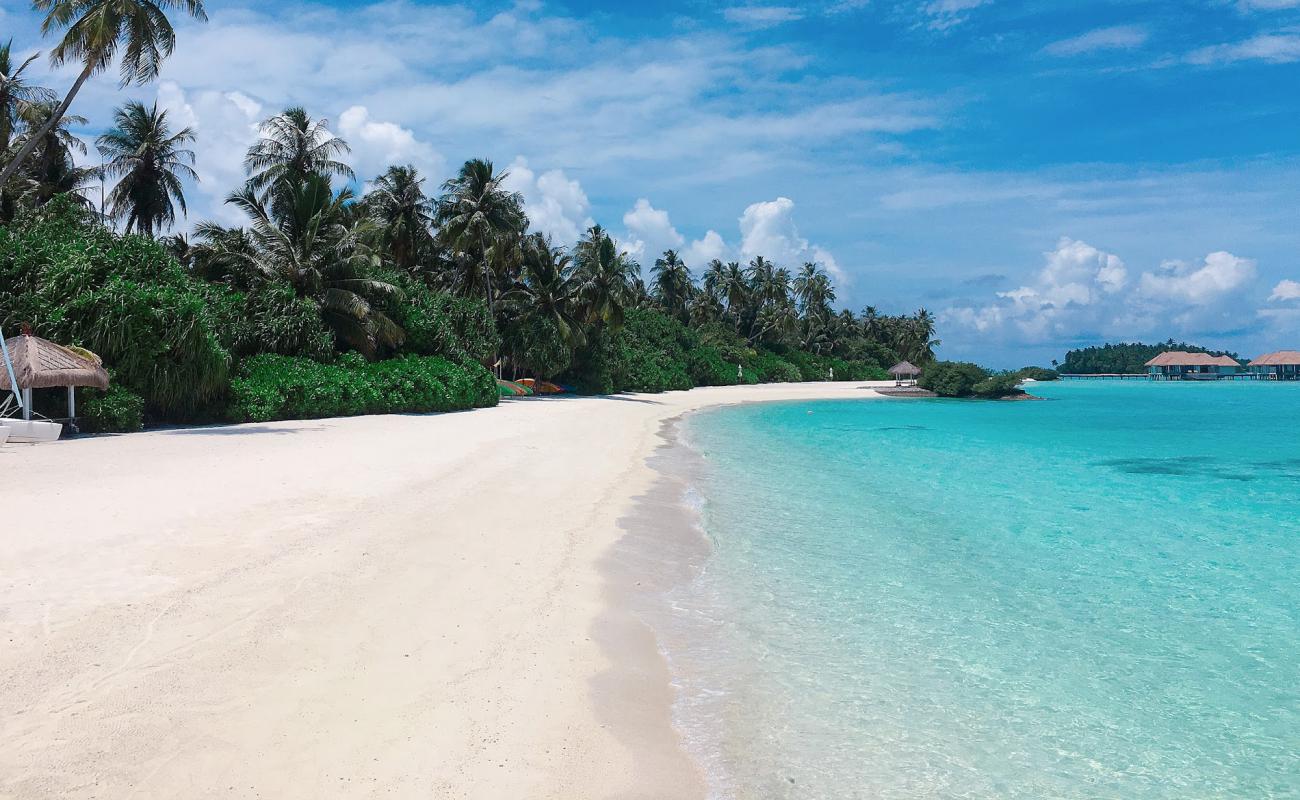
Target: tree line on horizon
<point>318,271</point>
<point>1126,358</point>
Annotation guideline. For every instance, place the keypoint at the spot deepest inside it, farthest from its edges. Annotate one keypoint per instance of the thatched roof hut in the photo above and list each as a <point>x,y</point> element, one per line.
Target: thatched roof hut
<point>905,369</point>
<point>42,364</point>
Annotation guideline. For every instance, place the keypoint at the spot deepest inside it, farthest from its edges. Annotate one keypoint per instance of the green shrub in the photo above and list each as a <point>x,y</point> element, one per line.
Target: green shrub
<point>707,367</point>
<point>271,318</point>
<point>1039,374</point>
<point>270,387</point>
<point>441,324</point>
<point>123,297</point>
<point>768,367</point>
<point>952,378</point>
<point>994,386</point>
<point>118,410</point>
<point>648,354</point>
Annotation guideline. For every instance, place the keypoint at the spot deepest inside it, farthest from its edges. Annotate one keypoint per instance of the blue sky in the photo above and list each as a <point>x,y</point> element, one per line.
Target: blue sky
<point>1039,174</point>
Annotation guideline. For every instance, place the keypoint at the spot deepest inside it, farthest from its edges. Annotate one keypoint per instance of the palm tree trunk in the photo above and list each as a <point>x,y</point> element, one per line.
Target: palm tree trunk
<point>32,141</point>
<point>487,283</point>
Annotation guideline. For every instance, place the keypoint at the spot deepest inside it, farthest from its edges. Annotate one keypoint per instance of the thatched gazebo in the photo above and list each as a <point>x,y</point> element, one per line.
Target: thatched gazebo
<point>41,364</point>
<point>905,373</point>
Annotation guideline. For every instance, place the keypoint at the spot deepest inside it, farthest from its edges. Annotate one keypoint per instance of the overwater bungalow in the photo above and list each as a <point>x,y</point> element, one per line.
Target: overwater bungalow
<point>1284,365</point>
<point>1175,365</point>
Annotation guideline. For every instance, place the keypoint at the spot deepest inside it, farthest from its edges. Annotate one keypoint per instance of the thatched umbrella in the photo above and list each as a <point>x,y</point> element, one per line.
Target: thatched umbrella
<point>41,364</point>
<point>904,370</point>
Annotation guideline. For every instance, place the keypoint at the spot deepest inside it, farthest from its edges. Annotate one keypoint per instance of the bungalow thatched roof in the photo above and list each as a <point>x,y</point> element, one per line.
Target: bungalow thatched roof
<point>41,364</point>
<point>1278,359</point>
<point>1177,358</point>
<point>904,368</point>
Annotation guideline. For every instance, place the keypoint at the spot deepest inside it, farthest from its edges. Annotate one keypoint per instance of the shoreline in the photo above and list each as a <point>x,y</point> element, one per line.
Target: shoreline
<point>412,605</point>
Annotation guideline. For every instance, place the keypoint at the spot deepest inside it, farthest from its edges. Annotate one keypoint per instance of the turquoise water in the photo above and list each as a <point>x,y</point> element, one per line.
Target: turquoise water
<point>1093,596</point>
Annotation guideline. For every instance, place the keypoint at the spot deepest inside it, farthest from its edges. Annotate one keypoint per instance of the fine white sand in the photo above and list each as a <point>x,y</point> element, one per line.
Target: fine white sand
<point>397,606</point>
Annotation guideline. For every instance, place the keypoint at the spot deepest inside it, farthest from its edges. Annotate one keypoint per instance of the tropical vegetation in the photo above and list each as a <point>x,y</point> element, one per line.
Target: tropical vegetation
<point>1124,358</point>
<point>342,296</point>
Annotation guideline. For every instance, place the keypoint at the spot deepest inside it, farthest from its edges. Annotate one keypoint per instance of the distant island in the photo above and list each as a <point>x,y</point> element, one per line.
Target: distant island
<point>1125,358</point>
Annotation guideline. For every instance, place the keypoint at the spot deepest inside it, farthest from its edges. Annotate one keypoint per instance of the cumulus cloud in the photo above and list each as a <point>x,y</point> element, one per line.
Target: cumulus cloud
<point>225,124</point>
<point>376,145</point>
<point>649,232</point>
<point>1202,284</point>
<point>556,204</point>
<point>1080,288</point>
<point>1285,291</point>
<point>1118,37</point>
<point>705,249</point>
<point>768,229</point>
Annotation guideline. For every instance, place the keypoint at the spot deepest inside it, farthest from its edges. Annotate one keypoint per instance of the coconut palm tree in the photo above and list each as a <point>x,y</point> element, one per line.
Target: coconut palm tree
<point>316,247</point>
<point>606,278</point>
<point>547,288</point>
<point>476,214</point>
<point>404,214</point>
<point>814,291</point>
<point>16,93</point>
<point>673,285</point>
<point>98,32</point>
<point>151,161</point>
<point>52,169</point>
<point>291,148</point>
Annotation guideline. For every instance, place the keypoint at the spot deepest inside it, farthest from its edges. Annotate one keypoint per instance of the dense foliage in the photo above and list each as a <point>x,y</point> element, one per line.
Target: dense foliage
<point>963,379</point>
<point>1039,374</point>
<point>326,301</point>
<point>270,387</point>
<point>118,410</point>
<point>1123,358</point>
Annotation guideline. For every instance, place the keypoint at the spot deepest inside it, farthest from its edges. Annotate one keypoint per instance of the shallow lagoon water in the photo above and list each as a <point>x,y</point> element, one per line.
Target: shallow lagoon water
<point>1092,596</point>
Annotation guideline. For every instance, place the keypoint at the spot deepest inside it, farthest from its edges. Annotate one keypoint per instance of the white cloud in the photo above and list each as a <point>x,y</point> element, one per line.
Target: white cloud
<point>945,14</point>
<point>1083,289</point>
<point>377,145</point>
<point>225,124</point>
<point>761,16</point>
<point>1275,48</point>
<point>705,249</point>
<point>649,232</point>
<point>1118,37</point>
<point>556,205</point>
<point>1219,275</point>
<point>1267,5</point>
<point>768,229</point>
<point>1285,290</point>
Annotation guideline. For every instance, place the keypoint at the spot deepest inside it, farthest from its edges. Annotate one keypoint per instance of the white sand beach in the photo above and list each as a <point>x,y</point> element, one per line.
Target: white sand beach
<point>397,606</point>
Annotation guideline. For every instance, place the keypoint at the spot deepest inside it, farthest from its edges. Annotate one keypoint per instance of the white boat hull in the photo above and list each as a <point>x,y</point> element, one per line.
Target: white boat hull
<point>24,431</point>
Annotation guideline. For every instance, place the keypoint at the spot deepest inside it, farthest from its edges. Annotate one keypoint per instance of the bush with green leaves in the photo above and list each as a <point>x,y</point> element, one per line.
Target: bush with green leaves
<point>997,386</point>
<point>271,387</point>
<point>952,378</point>
<point>815,367</point>
<point>708,367</point>
<point>123,297</point>
<point>1039,374</point>
<point>768,367</point>
<point>118,410</point>
<point>270,318</point>
<point>442,324</point>
<point>648,354</point>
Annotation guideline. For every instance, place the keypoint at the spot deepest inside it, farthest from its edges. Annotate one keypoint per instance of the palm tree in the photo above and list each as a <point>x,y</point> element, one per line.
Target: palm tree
<point>404,214</point>
<point>292,147</point>
<point>673,284</point>
<point>814,291</point>
<point>96,31</point>
<point>53,168</point>
<point>547,288</point>
<point>606,278</point>
<point>151,160</point>
<point>16,93</point>
<point>316,247</point>
<point>478,215</point>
